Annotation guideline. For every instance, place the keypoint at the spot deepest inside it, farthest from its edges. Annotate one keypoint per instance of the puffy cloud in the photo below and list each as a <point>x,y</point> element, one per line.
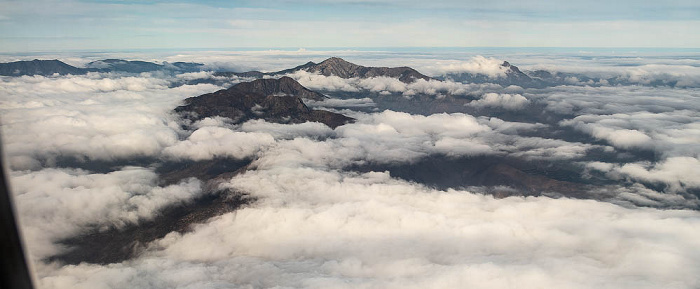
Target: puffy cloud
<point>507,101</point>
<point>393,136</point>
<point>210,142</point>
<point>676,171</point>
<point>600,166</point>
<point>197,75</point>
<point>624,138</point>
<point>639,74</point>
<point>671,133</point>
<point>58,203</point>
<point>316,81</point>
<point>488,66</point>
<point>383,85</point>
<point>659,119</point>
<point>93,117</point>
<point>536,147</point>
<point>397,137</point>
<point>638,194</point>
<point>318,229</point>
<point>511,127</point>
<point>288,131</point>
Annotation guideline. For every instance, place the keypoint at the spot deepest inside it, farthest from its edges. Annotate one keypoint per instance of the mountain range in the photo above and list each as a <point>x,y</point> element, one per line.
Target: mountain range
<point>39,67</point>
<point>333,66</point>
<point>142,66</point>
<point>336,66</point>
<point>51,67</point>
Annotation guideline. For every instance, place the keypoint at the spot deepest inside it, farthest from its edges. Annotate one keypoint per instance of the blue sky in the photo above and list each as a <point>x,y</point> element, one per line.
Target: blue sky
<point>61,25</point>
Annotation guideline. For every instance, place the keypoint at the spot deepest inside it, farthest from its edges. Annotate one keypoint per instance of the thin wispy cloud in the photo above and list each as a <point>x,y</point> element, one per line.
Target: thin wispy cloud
<point>71,25</point>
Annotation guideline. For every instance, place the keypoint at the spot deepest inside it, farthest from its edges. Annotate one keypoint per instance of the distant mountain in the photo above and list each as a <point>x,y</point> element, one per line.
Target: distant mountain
<point>544,78</point>
<point>341,68</point>
<point>51,67</point>
<point>39,67</point>
<point>338,67</point>
<point>284,85</point>
<point>512,76</point>
<point>555,78</point>
<point>274,100</point>
<point>119,65</point>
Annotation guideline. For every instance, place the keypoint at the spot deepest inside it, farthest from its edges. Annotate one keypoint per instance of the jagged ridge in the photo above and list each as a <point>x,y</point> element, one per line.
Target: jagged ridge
<point>341,68</point>
<point>336,66</point>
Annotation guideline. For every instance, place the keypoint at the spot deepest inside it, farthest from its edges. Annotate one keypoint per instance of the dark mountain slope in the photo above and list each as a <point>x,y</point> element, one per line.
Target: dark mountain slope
<point>51,67</point>
<point>274,100</point>
<point>39,67</point>
<point>284,85</point>
<point>119,65</point>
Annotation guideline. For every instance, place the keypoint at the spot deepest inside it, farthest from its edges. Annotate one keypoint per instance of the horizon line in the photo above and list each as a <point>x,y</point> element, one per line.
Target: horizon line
<point>340,48</point>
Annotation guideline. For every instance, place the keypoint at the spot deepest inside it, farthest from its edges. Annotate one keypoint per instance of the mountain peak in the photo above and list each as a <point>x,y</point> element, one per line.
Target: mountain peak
<point>513,76</point>
<point>335,60</point>
<point>512,69</point>
<point>336,66</point>
<point>338,63</point>
<point>283,85</point>
<point>274,100</point>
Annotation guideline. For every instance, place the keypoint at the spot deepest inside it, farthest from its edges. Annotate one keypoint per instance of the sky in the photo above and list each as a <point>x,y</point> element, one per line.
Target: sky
<point>53,25</point>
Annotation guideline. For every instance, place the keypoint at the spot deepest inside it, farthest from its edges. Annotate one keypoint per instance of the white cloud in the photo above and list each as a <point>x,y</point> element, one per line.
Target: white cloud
<point>676,171</point>
<point>382,85</point>
<point>288,131</point>
<point>58,203</point>
<point>211,142</point>
<point>319,229</point>
<point>488,66</point>
<point>511,127</point>
<point>88,117</point>
<point>393,136</point>
<point>600,166</point>
<point>316,81</point>
<point>671,133</point>
<point>397,137</point>
<point>507,101</point>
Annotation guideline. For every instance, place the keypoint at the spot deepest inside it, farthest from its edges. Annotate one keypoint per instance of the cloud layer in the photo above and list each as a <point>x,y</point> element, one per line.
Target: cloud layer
<point>95,117</point>
<point>318,229</point>
<point>58,203</point>
<point>316,224</point>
